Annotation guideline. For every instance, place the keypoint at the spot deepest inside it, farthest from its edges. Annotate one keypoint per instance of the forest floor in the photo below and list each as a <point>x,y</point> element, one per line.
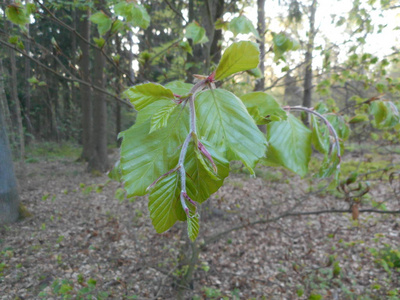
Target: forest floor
<point>84,241</point>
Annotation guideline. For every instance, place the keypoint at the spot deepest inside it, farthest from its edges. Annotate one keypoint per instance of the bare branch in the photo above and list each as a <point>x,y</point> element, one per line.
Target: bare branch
<point>73,30</point>
<point>217,236</point>
<point>72,78</point>
<point>176,11</point>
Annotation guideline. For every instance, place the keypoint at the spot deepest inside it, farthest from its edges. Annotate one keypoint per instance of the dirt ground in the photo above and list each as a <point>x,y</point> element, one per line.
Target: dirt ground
<point>81,242</point>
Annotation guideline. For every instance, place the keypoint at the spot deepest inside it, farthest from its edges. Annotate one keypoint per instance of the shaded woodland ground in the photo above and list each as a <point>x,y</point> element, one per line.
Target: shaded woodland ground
<point>78,241</point>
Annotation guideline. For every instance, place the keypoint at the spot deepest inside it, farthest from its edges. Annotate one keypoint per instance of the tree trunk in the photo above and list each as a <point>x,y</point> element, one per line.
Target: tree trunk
<point>260,83</point>
<point>85,92</point>
<point>99,158</point>
<point>9,200</point>
<point>27,99</point>
<point>308,61</point>
<point>17,104</point>
<point>4,109</point>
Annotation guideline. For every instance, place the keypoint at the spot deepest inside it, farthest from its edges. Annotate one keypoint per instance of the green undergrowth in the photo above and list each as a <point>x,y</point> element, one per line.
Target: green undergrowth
<point>51,151</point>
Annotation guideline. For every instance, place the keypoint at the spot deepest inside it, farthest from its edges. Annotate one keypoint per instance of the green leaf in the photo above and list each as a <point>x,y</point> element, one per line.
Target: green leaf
<point>263,107</point>
<point>102,21</point>
<point>13,40</point>
<point>201,180</point>
<point>179,87</point>
<point>289,145</point>
<point>116,172</point>
<point>242,25</point>
<point>283,43</point>
<point>99,42</point>
<point>164,203</point>
<point>224,121</point>
<point>134,14</point>
<point>144,94</point>
<point>160,118</point>
<point>197,33</point>
<point>17,14</point>
<point>140,17</point>
<point>358,119</point>
<point>256,72</point>
<point>33,80</point>
<point>340,126</point>
<point>193,226</point>
<point>186,47</point>
<point>116,26</point>
<point>145,157</point>
<point>386,114</point>
<point>238,57</point>
<point>320,136</point>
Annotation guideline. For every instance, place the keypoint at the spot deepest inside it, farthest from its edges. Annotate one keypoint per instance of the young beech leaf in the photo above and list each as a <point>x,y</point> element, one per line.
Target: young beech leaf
<point>202,181</point>
<point>144,94</point>
<point>179,87</point>
<point>102,21</point>
<point>242,25</point>
<point>319,136</point>
<point>263,107</point>
<point>289,145</point>
<point>160,118</point>
<point>17,14</point>
<point>197,33</point>
<point>224,122</point>
<point>193,226</point>
<point>145,157</point>
<point>164,203</point>
<point>238,57</point>
<point>133,13</point>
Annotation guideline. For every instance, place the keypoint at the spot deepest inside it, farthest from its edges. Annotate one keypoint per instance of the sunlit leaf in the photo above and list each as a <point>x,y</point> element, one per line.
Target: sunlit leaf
<point>263,107</point>
<point>289,145</point>
<point>144,94</point>
<point>17,14</point>
<point>160,118</point>
<point>102,21</point>
<point>238,57</point>
<point>224,122</point>
<point>179,87</point>
<point>242,25</point>
<point>145,157</point>
<point>196,33</point>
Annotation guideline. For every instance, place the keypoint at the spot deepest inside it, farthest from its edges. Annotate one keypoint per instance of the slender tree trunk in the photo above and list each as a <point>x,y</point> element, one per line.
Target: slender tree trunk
<point>308,60</point>
<point>17,104</point>
<point>99,159</point>
<point>85,92</point>
<point>27,99</point>
<point>260,83</point>
<point>9,200</point>
<point>4,109</point>
<point>215,50</point>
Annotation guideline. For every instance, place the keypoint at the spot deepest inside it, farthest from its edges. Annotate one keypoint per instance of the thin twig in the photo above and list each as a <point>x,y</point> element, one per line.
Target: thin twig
<point>72,78</point>
<point>217,236</point>
<point>73,30</point>
<point>175,11</point>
